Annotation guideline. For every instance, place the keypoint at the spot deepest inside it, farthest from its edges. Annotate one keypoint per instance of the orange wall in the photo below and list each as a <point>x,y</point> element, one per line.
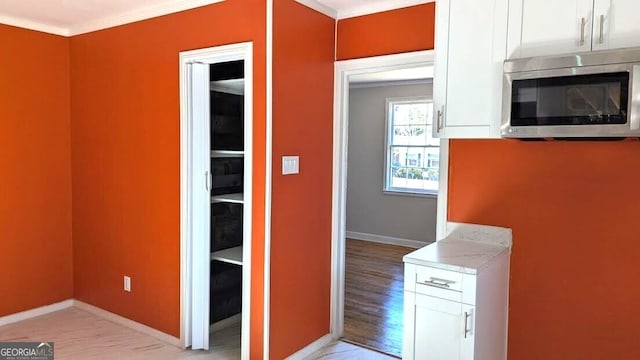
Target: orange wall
<point>303,53</point>
<point>572,207</point>
<point>35,170</point>
<point>126,152</point>
<point>390,32</point>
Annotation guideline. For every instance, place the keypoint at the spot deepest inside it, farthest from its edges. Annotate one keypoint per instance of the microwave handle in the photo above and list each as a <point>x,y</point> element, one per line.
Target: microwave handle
<point>583,23</point>
<point>601,37</point>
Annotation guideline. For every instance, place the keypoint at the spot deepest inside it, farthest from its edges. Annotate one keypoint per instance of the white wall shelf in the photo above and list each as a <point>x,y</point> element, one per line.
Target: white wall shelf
<point>232,86</point>
<point>232,255</point>
<point>237,198</point>
<point>226,153</point>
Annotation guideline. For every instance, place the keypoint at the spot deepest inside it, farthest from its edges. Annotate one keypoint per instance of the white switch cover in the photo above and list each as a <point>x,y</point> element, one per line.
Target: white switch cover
<point>127,283</point>
<point>290,165</point>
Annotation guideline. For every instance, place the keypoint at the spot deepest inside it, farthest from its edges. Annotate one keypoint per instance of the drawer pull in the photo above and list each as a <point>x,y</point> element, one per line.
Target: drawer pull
<point>439,283</point>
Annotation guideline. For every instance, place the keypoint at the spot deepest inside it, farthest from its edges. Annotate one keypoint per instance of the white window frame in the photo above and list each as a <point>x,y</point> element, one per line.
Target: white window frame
<point>386,188</point>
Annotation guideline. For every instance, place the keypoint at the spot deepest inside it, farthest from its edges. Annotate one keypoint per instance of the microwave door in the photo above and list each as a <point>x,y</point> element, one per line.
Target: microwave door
<point>562,102</point>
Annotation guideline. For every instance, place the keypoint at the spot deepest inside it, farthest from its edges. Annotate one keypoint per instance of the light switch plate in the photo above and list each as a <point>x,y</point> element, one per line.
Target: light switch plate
<point>290,165</point>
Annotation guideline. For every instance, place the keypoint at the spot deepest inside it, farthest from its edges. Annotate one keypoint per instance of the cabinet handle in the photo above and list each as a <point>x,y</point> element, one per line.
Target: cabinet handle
<point>439,283</point>
<point>601,38</point>
<point>440,115</point>
<point>467,330</point>
<point>583,23</point>
<point>208,181</point>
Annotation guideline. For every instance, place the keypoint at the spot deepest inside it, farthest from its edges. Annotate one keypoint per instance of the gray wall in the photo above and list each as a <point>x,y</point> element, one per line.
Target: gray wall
<point>368,209</point>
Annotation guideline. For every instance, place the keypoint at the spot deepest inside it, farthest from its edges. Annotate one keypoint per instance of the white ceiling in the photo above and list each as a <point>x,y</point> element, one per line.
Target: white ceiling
<point>350,8</point>
<point>72,17</point>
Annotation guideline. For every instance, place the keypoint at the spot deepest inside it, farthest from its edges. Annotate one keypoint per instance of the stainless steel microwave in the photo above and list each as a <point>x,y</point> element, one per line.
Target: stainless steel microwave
<point>592,94</point>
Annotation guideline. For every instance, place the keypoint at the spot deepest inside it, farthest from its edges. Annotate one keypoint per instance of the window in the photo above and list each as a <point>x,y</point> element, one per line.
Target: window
<point>413,155</point>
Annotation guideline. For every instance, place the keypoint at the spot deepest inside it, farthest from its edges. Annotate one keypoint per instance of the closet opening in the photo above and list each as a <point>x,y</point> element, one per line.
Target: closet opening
<point>216,127</point>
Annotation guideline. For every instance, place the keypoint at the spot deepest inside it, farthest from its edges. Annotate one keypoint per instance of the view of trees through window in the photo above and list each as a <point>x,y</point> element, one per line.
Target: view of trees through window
<point>413,154</point>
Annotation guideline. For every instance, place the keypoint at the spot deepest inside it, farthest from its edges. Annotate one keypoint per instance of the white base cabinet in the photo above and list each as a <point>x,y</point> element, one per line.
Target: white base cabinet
<point>450,338</point>
<point>455,310</point>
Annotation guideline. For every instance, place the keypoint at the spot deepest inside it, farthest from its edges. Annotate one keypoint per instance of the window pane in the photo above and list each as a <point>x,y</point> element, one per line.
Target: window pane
<point>429,114</point>
<point>399,177</point>
<point>398,156</point>
<point>410,113</point>
<point>414,153</point>
<point>414,157</point>
<point>409,135</point>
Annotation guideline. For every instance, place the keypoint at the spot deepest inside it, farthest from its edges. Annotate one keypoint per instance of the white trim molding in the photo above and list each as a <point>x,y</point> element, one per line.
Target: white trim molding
<point>268,184</point>
<point>343,70</point>
<point>378,6</point>
<point>319,7</point>
<point>31,313</point>
<point>414,244</point>
<point>157,334</point>
<point>443,191</point>
<point>217,54</point>
<point>305,352</point>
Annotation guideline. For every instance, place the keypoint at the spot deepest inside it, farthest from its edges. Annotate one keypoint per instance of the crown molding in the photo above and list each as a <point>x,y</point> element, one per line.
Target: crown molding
<point>319,7</point>
<point>33,25</point>
<point>165,8</point>
<point>378,6</point>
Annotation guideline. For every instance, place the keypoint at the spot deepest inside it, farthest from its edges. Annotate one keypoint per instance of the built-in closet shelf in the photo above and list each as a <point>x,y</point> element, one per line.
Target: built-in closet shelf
<point>231,86</point>
<point>232,255</point>
<point>226,153</point>
<point>237,198</point>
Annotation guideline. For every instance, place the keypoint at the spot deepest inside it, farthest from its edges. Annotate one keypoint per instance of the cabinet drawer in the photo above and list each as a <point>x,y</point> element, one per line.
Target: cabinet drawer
<point>440,283</point>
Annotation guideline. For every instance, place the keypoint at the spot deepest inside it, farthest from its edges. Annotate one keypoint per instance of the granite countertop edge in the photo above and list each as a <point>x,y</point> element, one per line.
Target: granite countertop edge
<point>453,267</point>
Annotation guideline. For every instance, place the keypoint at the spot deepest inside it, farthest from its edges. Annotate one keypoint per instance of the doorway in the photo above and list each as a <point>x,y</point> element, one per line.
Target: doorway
<point>216,103</point>
<point>391,198</point>
<point>347,73</point>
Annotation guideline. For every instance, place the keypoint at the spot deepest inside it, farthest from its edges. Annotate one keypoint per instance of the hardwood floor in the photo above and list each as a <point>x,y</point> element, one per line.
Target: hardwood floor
<point>78,334</point>
<point>341,350</point>
<point>374,295</point>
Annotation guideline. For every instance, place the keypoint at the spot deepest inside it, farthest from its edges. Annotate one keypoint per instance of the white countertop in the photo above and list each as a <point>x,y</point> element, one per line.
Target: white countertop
<point>467,248</point>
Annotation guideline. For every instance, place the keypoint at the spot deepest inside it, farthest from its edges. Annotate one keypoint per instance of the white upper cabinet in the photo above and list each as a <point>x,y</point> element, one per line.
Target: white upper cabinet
<point>549,27</point>
<point>616,24</point>
<point>470,49</point>
<point>545,27</point>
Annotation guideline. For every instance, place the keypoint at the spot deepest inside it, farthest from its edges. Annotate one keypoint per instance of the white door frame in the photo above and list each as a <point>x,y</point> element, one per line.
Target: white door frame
<point>343,70</point>
<point>240,51</point>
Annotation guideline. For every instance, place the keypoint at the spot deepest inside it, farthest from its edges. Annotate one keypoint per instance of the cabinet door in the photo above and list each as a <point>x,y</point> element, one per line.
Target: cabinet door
<point>470,48</point>
<point>615,24</point>
<point>546,27</point>
<point>434,329</point>
<point>201,206</point>
<point>467,351</point>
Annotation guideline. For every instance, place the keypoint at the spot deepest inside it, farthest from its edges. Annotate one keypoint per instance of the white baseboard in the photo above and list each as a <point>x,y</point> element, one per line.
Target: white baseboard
<point>171,340</point>
<point>311,348</point>
<point>28,314</point>
<point>415,244</point>
<point>225,323</point>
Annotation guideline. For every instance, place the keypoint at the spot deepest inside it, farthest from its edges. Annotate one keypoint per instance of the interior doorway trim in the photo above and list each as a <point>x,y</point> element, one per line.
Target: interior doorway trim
<point>343,71</point>
<point>239,51</point>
